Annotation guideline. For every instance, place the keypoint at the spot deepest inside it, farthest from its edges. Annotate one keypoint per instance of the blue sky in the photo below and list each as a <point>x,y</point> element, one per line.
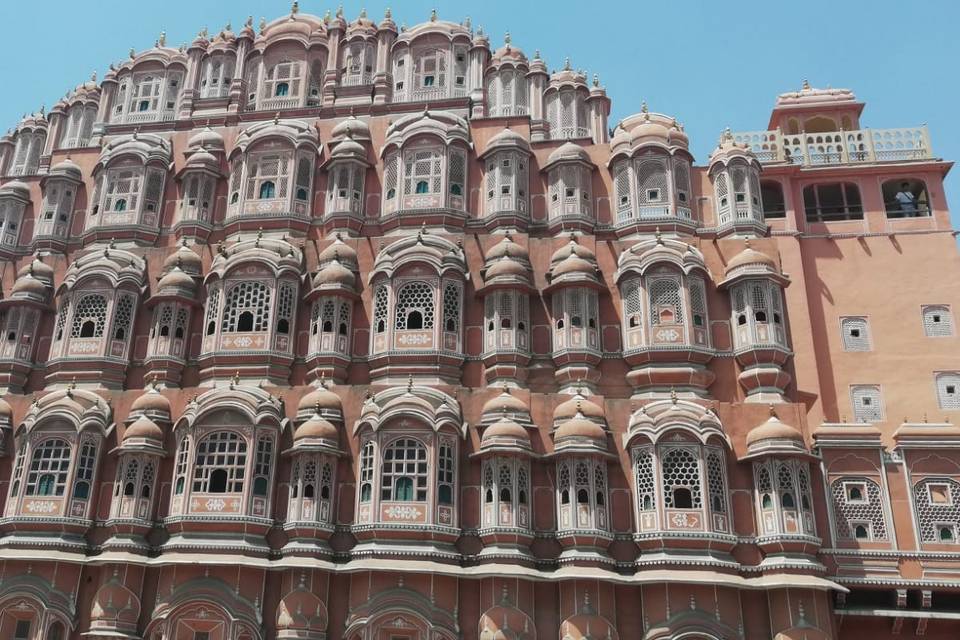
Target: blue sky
<point>710,64</point>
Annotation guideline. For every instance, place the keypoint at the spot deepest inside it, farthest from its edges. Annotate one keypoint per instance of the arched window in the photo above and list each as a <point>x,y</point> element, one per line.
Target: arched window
<point>415,306</point>
<point>247,307</point>
<point>832,202</point>
<point>380,309</point>
<point>366,472</point>
<point>666,302</point>
<point>220,463</point>
<point>86,466</point>
<point>771,193</point>
<point>404,474</point>
<point>262,466</point>
<point>445,474</point>
<point>55,632</point>
<point>89,317</point>
<point>906,198</point>
<point>267,190</point>
<point>681,479</point>
<point>183,459</point>
<point>49,467</point>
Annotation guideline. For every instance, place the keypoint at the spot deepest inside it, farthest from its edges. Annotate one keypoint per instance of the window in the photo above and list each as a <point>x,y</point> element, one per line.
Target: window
<point>183,457</point>
<point>267,176</point>
<point>85,469</point>
<point>451,308</point>
<point>89,317</point>
<point>937,321</point>
<point>22,630</point>
<point>681,479</point>
<point>858,508</point>
<point>646,488</point>
<point>666,306</point>
<point>937,509</point>
<point>423,172</point>
<point>247,308</point>
<point>906,198</point>
<point>867,403</point>
<point>404,473</point>
<point>366,472</point>
<point>771,193</point>
<point>832,202</point>
<point>948,390</point>
<point>445,474</point>
<point>267,190</point>
<point>855,333</point>
<point>261,469</point>
<point>220,463</point>
<point>49,467</point>
<point>415,307</point>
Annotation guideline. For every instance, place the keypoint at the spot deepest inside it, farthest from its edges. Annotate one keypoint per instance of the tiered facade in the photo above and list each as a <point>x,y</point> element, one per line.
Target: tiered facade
<point>331,328</point>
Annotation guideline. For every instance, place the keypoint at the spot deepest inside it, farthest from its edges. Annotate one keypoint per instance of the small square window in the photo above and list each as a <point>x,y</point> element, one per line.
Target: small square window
<point>939,493</point>
<point>400,62</point>
<point>854,333</point>
<point>506,162</point>
<point>856,492</point>
<point>867,402</point>
<point>428,81</point>
<point>459,81</point>
<point>569,193</point>
<point>653,195</point>
<point>681,196</point>
<point>399,86</point>
<point>460,57</point>
<point>861,530</point>
<point>505,190</point>
<point>741,197</point>
<point>946,533</point>
<point>624,200</point>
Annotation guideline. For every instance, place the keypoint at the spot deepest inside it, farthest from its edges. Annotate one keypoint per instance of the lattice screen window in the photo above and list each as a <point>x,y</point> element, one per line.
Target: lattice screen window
<point>247,307</point>
<point>458,173</point>
<point>430,69</point>
<point>215,77</point>
<point>600,485</point>
<point>459,67</point>
<point>937,321</point>
<point>129,479</point>
<point>252,79</point>
<point>343,318</point>
<point>89,317</point>
<point>18,466</point>
<point>698,302</point>
<point>404,473</point>
<point>858,508</point>
<point>738,176</point>
<point>123,191</point>
<point>652,182</point>
<point>236,180</point>
<point>146,93</point>
<point>213,310</point>
<point>153,191</point>
<point>666,302</point>
<point>380,309</point>
<point>49,468</point>
<point>304,177</point>
<point>146,482</point>
<point>366,472</point>
<point>803,480</point>
<point>173,90</point>
<point>488,485</point>
<point>938,509</point>
<point>445,474</point>
<point>261,466</point>
<point>523,483</point>
<point>563,481</point>
<point>764,485</point>
<point>867,403</point>
<point>123,316</point>
<point>621,188</point>
<point>391,171</point>
<point>681,179</point>
<point>680,473</point>
<point>282,80</point>
<point>855,332</point>
<point>286,301</point>
<point>220,464</point>
<point>415,306</point>
<point>423,172</point>
<point>646,483</point>
<point>716,482</point>
<point>86,465</point>
<point>183,460</point>
<point>451,307</point>
<point>505,484</point>
<point>267,176</point>
<point>722,190</point>
<point>948,390</point>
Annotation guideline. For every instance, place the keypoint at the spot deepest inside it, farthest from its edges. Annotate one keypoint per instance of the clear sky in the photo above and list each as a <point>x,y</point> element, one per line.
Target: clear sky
<point>709,63</point>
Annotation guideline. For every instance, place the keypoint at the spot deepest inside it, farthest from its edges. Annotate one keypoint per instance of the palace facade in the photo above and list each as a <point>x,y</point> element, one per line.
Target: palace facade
<point>338,329</point>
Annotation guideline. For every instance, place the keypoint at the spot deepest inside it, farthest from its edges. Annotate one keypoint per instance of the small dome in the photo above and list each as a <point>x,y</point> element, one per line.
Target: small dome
<point>579,427</point>
<point>505,267</point>
<point>184,258</point>
<point>568,152</point>
<point>176,279</point>
<point>572,248</point>
<point>202,158</point>
<point>505,428</point>
<point>749,257</point>
<point>39,268</point>
<point>6,411</point>
<point>206,139</point>
<point>338,250</point>
<point>506,402</point>
<point>29,284</point>
<point>15,188</point>
<point>773,429</point>
<point>507,139</point>
<point>508,54</point>
<point>316,427</point>
<point>335,273</point>
<point>152,401</point>
<point>351,127</point>
<point>144,427</point>
<point>349,148</point>
<point>577,404</point>
<point>507,248</point>
<point>319,399</point>
<point>66,168</point>
<point>573,264</point>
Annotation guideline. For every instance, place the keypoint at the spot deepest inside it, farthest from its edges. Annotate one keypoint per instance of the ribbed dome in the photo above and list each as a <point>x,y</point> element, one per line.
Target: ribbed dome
<point>202,158</point>
<point>144,427</point>
<point>572,248</point>
<point>176,279</point>
<point>316,427</point>
<point>152,400</point>
<point>29,284</point>
<point>751,256</point>
<point>41,270</point>
<point>577,404</point>
<point>506,267</point>
<point>185,258</point>
<point>349,148</point>
<point>339,250</point>
<point>573,264</point>
<point>505,428</point>
<point>505,403</point>
<point>507,139</point>
<point>507,247</point>
<point>319,399</point>
<point>568,152</point>
<point>352,127</point>
<point>773,429</point>
<point>206,139</point>
<point>579,427</point>
<point>335,273</point>
<point>66,168</point>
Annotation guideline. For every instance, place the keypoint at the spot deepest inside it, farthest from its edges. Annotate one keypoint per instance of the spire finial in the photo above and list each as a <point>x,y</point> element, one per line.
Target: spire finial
<point>658,236</point>
<point>388,14</point>
<point>506,39</point>
<point>410,383</point>
<point>643,107</point>
<point>93,76</point>
<point>673,395</point>
<point>566,63</point>
<point>806,85</point>
<point>295,8</point>
<point>340,10</point>
<point>263,24</point>
<point>162,40</point>
<point>773,412</point>
<point>433,15</point>
<point>596,79</point>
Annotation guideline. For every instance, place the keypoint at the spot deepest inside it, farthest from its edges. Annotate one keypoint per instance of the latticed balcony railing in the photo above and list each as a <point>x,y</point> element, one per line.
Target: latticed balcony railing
<point>280,103</point>
<point>427,94</point>
<point>137,117</point>
<point>839,147</point>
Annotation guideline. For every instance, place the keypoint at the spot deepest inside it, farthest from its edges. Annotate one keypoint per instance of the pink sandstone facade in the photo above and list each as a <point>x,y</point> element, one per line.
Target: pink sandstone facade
<point>331,328</point>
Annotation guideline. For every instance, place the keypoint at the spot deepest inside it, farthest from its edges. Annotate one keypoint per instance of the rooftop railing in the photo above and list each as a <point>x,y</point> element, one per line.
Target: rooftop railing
<point>839,147</point>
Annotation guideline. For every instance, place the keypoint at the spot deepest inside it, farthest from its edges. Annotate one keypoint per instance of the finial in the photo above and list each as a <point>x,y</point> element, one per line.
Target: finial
<point>295,8</point>
<point>276,118</point>
<point>162,40</point>
<point>658,236</point>
<point>249,22</point>
<point>410,383</point>
<point>93,76</point>
<point>643,107</point>
<point>596,79</point>
<point>506,41</point>
<point>326,17</point>
<point>388,14</point>
<point>259,236</point>
<point>673,395</point>
<point>806,85</point>
<point>536,54</point>
<point>133,54</point>
<point>263,24</point>
<point>504,593</point>
<point>773,412</point>
<point>236,379</point>
<point>340,11</point>
<point>73,385</point>
<point>363,13</point>
<point>566,63</point>
<point>228,26</point>
<point>433,15</point>
<point>467,23</point>
<point>746,243</point>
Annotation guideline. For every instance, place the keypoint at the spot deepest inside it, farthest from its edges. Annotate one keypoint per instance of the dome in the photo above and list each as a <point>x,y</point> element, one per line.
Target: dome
<point>773,429</point>
<point>202,158</point>
<point>15,188</point>
<point>145,428</point>
<point>335,273</point>
<point>507,248</point>
<point>568,152</point>
<point>505,403</point>
<point>338,250</point>
<point>727,148</point>
<point>577,404</point>
<point>507,139</point>
<point>176,279</point>
<point>572,248</point>
<point>751,257</point>
<point>316,427</point>
<point>349,148</point>
<point>573,264</point>
<point>66,168</point>
<point>579,427</point>
<point>352,127</point>
<point>152,401</point>
<point>6,411</point>
<point>206,139</point>
<point>38,268</point>
<point>29,284</point>
<point>505,428</point>
<point>184,258</point>
<point>505,267</point>
<point>319,399</point>
<point>508,54</point>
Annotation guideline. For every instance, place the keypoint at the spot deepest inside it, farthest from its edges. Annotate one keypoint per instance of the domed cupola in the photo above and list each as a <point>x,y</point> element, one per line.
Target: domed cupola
<point>20,316</point>
<point>569,172</point>
<point>351,127</point>
<point>323,401</point>
<point>507,285</point>
<point>432,61</point>
<point>346,171</point>
<point>505,82</point>
<point>33,285</point>
<point>333,293</point>
<point>30,137</point>
<point>53,225</point>
<point>573,110</point>
<point>735,174</point>
<point>74,115</point>
<point>14,198</point>
<point>506,162</point>
<point>774,437</point>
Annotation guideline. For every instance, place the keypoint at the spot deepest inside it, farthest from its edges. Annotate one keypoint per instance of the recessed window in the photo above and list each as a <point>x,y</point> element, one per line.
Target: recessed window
<point>428,81</point>
<point>281,90</point>
<point>861,531</point>
<point>22,630</point>
<point>939,493</point>
<point>867,403</point>
<point>569,193</point>
<point>948,385</point>
<point>855,492</point>
<point>946,533</point>
<point>653,195</point>
<point>855,334</point>
<point>937,321</point>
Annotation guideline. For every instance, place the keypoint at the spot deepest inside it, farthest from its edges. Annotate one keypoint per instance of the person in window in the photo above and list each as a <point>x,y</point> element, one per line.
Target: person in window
<point>907,200</point>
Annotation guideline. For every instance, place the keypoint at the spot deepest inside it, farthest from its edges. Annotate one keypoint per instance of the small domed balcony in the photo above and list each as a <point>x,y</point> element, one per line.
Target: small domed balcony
<point>20,316</point>
<point>345,205</point>
<point>332,295</point>
<point>735,174</point>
